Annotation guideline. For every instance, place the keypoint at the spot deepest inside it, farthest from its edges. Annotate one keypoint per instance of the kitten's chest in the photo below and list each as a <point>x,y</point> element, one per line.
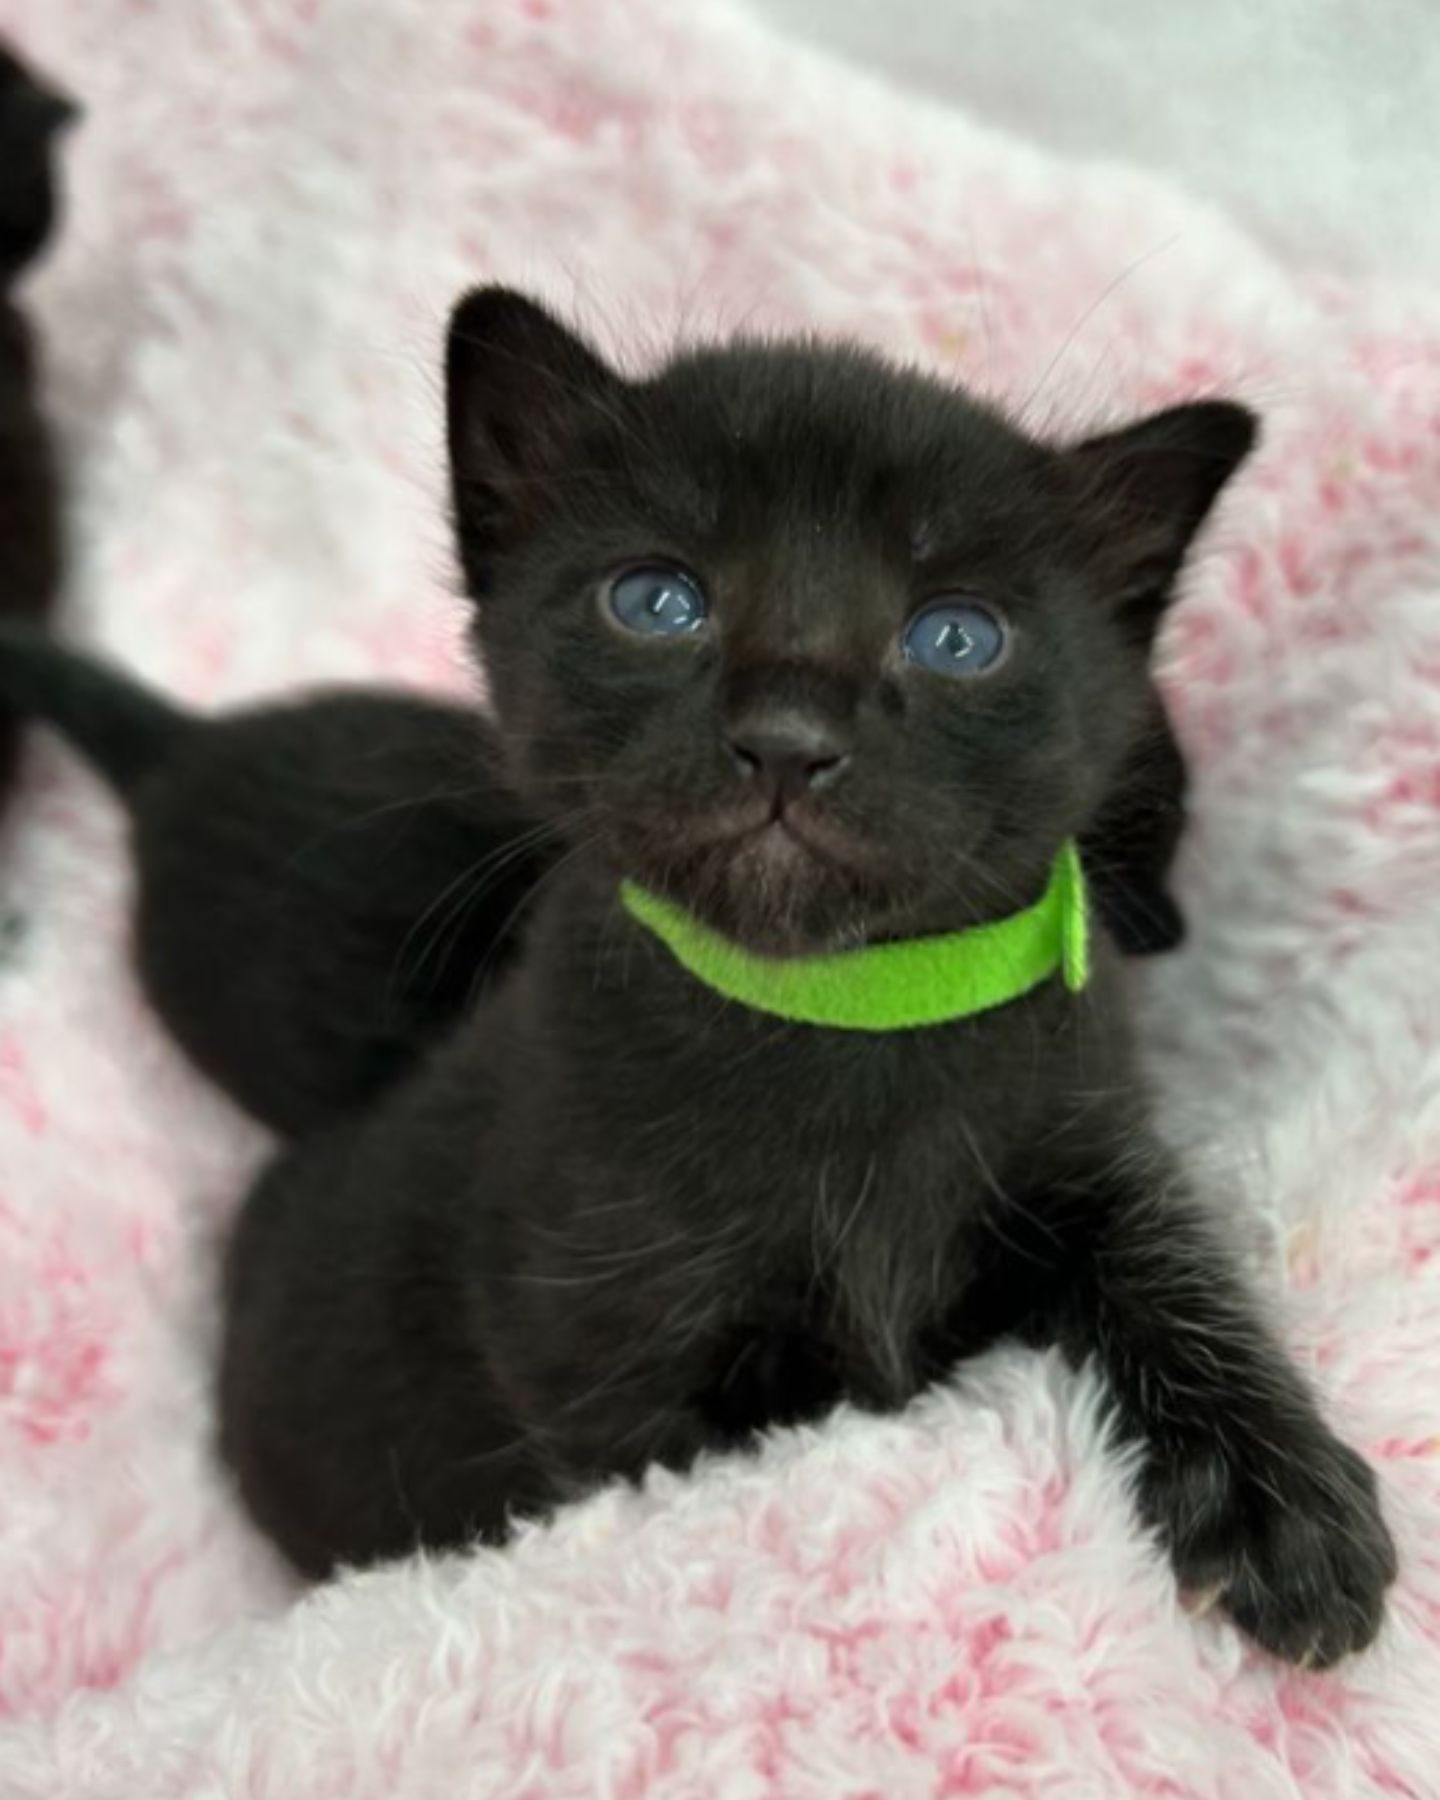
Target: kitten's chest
<point>765,1185</point>
<point>890,1243</point>
<point>873,1190</point>
<point>846,1294</point>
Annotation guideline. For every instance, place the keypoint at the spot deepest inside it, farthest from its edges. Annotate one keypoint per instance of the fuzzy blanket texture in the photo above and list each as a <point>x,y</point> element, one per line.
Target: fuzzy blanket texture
<point>274,202</point>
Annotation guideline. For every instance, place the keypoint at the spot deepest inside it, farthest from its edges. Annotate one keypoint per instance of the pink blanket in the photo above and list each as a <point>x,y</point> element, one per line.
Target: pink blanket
<point>274,201</point>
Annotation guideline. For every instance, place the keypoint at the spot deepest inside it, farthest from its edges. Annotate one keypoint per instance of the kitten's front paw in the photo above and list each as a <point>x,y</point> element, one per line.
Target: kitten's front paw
<point>1294,1547</point>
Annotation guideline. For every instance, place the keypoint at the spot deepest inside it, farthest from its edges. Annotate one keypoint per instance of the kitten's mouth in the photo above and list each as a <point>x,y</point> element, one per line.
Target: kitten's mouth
<point>789,837</point>
<point>783,882</point>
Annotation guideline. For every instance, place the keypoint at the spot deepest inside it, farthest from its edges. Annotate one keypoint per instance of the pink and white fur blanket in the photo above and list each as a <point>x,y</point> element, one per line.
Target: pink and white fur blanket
<point>274,201</point>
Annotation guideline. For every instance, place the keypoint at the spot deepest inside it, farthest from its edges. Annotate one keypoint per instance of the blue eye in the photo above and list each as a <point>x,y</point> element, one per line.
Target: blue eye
<point>955,637</point>
<point>657,602</point>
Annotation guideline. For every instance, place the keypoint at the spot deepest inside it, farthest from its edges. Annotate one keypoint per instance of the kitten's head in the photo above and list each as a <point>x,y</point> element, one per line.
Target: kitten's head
<point>30,117</point>
<point>820,648</point>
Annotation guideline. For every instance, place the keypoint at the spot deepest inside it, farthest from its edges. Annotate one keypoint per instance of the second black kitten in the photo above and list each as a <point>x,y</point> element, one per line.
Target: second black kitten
<point>324,886</point>
<point>31,549</point>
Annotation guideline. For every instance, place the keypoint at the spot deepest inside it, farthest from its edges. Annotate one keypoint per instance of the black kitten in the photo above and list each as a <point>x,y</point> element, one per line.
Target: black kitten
<point>324,886</point>
<point>30,542</point>
<point>825,653</point>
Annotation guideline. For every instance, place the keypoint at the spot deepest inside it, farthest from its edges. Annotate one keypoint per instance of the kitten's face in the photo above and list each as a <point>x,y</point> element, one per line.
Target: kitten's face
<point>819,649</point>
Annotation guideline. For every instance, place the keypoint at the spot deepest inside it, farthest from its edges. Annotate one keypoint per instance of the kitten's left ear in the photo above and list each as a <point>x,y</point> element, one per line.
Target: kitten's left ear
<point>519,385</point>
<point>1144,493</point>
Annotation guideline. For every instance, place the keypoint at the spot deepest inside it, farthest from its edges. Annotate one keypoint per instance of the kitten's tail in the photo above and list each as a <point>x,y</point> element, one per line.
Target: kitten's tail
<point>123,728</point>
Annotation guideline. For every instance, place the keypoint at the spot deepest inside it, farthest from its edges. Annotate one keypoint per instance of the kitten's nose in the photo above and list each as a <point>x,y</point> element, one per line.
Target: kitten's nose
<point>788,753</point>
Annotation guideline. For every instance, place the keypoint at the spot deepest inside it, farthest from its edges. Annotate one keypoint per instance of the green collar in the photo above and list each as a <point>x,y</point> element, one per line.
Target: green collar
<point>892,987</point>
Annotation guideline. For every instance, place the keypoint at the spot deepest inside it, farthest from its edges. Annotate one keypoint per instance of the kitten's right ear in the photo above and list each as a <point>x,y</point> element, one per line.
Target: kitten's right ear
<point>518,384</point>
<point>1146,490</point>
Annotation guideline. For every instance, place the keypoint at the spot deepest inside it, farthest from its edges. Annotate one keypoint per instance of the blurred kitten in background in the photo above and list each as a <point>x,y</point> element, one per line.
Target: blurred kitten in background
<point>32,116</point>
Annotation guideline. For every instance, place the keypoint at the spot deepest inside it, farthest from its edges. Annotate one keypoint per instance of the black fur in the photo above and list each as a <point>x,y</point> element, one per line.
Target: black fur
<point>31,548</point>
<point>323,886</point>
<point>611,1220</point>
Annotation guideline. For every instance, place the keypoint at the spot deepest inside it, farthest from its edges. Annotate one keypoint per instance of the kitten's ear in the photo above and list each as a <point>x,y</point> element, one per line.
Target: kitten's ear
<point>58,112</point>
<point>518,383</point>
<point>32,110</point>
<point>1145,491</point>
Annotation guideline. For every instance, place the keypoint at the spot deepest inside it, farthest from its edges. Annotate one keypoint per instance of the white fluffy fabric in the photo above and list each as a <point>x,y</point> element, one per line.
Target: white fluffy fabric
<point>1311,121</point>
<point>274,201</point>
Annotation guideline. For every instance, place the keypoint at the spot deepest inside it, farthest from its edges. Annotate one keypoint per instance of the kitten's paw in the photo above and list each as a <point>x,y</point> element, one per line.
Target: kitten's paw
<point>1295,1549</point>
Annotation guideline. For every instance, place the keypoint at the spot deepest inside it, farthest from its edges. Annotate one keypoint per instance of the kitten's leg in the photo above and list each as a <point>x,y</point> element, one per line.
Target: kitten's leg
<point>390,1378</point>
<point>1256,1499</point>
